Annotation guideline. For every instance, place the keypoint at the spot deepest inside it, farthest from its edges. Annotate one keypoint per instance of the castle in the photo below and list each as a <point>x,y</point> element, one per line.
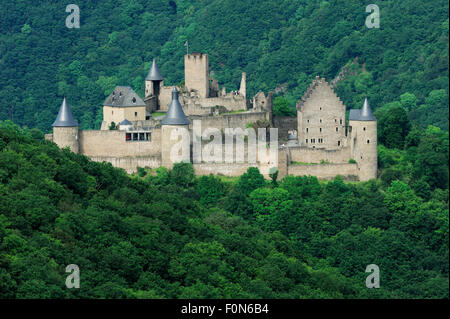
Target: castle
<point>137,132</point>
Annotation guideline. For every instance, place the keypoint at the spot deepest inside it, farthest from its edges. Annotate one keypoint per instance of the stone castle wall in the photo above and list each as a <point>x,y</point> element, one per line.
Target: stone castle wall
<point>130,164</point>
<point>113,144</point>
<point>310,155</point>
<point>326,171</point>
<point>229,120</point>
<point>284,124</point>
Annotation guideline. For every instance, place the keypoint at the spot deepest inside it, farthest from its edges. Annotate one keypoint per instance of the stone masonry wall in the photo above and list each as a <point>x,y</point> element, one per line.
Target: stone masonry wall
<point>284,124</point>
<point>113,144</point>
<point>309,155</point>
<point>326,171</point>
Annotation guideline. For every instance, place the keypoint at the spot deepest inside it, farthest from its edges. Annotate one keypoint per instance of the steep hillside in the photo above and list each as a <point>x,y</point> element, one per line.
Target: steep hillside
<point>276,42</point>
<point>174,235</point>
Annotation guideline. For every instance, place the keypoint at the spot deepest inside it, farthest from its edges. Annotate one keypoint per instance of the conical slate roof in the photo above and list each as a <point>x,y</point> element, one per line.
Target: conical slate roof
<point>175,114</point>
<point>154,74</point>
<point>65,117</point>
<point>123,96</point>
<point>364,114</point>
<point>125,122</point>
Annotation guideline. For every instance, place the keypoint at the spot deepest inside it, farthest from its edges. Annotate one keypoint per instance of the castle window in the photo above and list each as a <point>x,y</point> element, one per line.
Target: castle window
<point>320,120</point>
<point>321,129</point>
<point>368,141</point>
<point>337,129</point>
<point>307,130</point>
<point>135,113</point>
<point>364,128</point>
<point>135,136</point>
<point>340,121</point>
<point>141,136</point>
<point>321,109</point>
<point>339,143</point>
<point>128,137</point>
<point>134,100</point>
<point>335,121</point>
<point>306,141</point>
<point>148,136</point>
<point>307,121</point>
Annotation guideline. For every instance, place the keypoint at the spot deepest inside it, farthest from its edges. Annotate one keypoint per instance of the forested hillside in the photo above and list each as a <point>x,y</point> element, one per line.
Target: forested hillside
<point>280,44</point>
<point>174,235</point>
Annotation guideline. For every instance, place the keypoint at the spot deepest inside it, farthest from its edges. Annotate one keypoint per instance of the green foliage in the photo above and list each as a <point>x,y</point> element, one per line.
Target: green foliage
<point>250,181</point>
<point>174,235</point>
<point>278,44</point>
<point>281,107</point>
<point>393,125</point>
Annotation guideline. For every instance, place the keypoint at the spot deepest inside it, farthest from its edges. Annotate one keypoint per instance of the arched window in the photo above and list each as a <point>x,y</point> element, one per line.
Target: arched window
<point>321,129</point>
<point>364,128</point>
<point>337,129</point>
<point>368,141</point>
<point>307,130</point>
<point>339,143</point>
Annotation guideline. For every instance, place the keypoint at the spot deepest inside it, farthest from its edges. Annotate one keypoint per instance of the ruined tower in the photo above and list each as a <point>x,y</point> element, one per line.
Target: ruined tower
<point>175,138</point>
<point>196,74</point>
<point>242,88</point>
<point>363,141</point>
<point>65,129</point>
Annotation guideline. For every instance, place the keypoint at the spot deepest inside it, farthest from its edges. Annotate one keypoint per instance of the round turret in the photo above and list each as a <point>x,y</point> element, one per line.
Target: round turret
<point>363,141</point>
<point>65,128</point>
<point>175,139</point>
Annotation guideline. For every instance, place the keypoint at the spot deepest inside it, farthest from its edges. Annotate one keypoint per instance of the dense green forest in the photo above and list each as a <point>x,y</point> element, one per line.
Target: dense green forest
<point>170,234</point>
<point>280,44</point>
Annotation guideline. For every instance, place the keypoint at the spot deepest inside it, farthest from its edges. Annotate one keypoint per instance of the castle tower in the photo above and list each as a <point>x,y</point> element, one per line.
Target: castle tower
<point>65,129</point>
<point>175,124</point>
<point>196,74</point>
<point>242,88</point>
<point>363,142</point>
<point>153,83</point>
